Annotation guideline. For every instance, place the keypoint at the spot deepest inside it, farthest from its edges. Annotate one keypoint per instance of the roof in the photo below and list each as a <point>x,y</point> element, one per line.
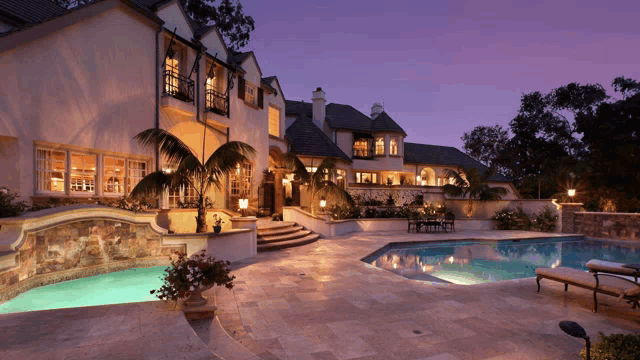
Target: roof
<point>384,122</point>
<point>30,12</point>
<point>241,57</point>
<point>307,139</point>
<point>443,155</point>
<point>340,116</point>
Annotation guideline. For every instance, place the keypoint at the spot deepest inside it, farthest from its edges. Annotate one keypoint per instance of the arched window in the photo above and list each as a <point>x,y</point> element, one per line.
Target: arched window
<point>427,177</point>
<point>380,146</point>
<point>393,146</point>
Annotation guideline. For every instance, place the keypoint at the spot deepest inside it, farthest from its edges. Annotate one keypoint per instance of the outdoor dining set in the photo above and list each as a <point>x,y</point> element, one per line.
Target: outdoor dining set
<point>433,223</point>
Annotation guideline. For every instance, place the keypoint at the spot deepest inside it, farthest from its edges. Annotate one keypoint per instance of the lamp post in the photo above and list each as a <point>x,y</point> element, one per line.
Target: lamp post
<point>571,193</point>
<point>243,204</point>
<point>574,329</point>
<point>323,203</point>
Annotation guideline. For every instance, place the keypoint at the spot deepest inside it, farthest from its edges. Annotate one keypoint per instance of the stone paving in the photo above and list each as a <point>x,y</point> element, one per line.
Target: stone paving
<point>320,301</point>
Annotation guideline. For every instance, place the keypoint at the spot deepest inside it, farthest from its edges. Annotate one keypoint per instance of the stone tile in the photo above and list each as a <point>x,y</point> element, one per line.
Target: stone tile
<point>297,345</point>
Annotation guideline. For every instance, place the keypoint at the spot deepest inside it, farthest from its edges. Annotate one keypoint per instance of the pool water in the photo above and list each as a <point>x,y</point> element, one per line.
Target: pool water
<point>476,262</point>
<point>126,286</point>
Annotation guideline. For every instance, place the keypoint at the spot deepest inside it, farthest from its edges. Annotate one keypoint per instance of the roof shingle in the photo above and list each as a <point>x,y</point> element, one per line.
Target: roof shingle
<point>30,12</point>
<point>307,139</point>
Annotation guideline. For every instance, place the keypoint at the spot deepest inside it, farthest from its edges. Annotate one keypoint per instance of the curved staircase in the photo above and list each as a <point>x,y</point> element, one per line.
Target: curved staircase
<point>283,234</point>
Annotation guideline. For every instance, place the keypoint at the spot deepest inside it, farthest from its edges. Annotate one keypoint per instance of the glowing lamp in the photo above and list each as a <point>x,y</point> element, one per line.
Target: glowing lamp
<point>571,192</point>
<point>243,203</point>
<point>417,178</point>
<point>323,203</point>
<point>166,171</point>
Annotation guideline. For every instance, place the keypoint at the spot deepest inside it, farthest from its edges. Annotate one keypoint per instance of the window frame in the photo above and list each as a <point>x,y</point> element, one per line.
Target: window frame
<point>392,147</point>
<point>128,178</point>
<point>372,175</point>
<point>244,184</point>
<point>277,123</point>
<point>95,174</point>
<point>377,146</point>
<point>250,98</point>
<point>64,172</point>
<point>105,178</point>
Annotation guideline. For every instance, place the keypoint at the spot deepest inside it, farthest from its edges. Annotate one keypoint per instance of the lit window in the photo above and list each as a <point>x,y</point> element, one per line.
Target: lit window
<point>113,175</point>
<point>50,170</point>
<point>83,173</point>
<point>241,180</point>
<point>366,178</point>
<point>311,170</point>
<point>171,79</point>
<point>137,170</point>
<point>274,121</point>
<point>393,146</point>
<point>361,147</point>
<point>250,93</point>
<point>341,177</point>
<point>380,146</point>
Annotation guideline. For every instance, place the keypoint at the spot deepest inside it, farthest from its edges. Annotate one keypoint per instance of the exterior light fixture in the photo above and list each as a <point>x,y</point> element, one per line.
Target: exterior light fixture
<point>323,203</point>
<point>166,171</point>
<point>574,329</point>
<point>571,192</point>
<point>285,181</point>
<point>243,204</point>
<point>417,178</point>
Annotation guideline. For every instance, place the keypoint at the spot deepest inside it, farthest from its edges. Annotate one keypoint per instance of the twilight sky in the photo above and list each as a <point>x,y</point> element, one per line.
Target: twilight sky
<point>441,68</point>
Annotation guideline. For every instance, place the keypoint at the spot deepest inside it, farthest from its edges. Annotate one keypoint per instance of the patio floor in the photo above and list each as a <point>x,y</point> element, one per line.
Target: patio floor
<point>320,301</point>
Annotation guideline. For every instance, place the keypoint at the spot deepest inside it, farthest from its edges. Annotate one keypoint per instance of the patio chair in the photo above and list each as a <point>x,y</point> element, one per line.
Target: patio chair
<point>432,222</point>
<point>450,222</point>
<point>416,223</point>
<point>598,282</point>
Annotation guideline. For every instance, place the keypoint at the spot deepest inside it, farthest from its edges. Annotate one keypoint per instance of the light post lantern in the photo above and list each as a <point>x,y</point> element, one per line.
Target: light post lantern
<point>417,179</point>
<point>323,204</point>
<point>243,204</point>
<point>574,329</point>
<point>571,193</point>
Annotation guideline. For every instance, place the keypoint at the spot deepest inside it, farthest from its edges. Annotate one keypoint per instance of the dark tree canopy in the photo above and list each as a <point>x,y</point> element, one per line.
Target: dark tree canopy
<point>576,129</point>
<point>227,15</point>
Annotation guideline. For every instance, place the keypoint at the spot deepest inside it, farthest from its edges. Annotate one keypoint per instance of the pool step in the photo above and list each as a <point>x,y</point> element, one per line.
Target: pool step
<point>282,235</point>
<point>278,245</point>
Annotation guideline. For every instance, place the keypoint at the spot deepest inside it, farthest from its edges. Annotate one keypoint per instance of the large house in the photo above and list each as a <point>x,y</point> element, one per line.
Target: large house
<point>79,84</point>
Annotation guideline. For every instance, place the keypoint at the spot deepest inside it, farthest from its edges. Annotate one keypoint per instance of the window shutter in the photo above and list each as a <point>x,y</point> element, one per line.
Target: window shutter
<point>260,98</point>
<point>241,87</point>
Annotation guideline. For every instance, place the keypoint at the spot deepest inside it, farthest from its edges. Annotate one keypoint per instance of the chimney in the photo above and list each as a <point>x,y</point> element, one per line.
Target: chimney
<point>376,110</point>
<point>318,99</point>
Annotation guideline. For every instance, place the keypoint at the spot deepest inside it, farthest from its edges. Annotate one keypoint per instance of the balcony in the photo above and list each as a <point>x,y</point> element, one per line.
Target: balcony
<point>217,102</point>
<point>178,86</point>
<point>363,153</point>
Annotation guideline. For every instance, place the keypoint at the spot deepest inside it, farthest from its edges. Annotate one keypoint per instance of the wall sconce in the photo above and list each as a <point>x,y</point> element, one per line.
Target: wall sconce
<point>323,203</point>
<point>417,179</point>
<point>243,204</point>
<point>571,192</point>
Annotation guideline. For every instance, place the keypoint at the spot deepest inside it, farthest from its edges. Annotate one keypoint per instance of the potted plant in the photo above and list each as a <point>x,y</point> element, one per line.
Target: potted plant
<point>188,277</point>
<point>217,223</point>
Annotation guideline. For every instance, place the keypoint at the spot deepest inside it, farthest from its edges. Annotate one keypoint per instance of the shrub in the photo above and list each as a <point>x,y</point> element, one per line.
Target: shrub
<point>370,213</point>
<point>523,220</point>
<point>409,213</point>
<point>189,273</point>
<point>390,201</point>
<point>276,217</point>
<point>8,206</point>
<point>342,212</point>
<point>505,219</point>
<point>615,346</point>
<point>418,199</point>
<point>545,220</point>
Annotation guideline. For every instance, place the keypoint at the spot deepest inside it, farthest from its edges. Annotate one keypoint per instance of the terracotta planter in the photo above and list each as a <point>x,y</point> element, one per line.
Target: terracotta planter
<point>196,298</point>
<point>217,229</point>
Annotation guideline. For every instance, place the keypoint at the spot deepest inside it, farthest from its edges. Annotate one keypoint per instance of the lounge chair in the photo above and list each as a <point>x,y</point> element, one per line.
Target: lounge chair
<point>598,281</point>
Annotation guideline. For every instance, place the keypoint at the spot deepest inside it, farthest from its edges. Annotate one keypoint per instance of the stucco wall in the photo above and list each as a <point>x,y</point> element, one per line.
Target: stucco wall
<point>184,220</point>
<point>90,85</point>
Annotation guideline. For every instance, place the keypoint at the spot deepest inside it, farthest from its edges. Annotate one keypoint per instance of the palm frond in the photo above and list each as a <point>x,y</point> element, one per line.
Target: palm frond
<point>191,167</point>
<point>293,162</point>
<point>330,189</point>
<point>492,193</point>
<point>225,160</point>
<point>458,179</point>
<point>154,184</point>
<point>169,145</point>
<point>453,190</point>
<point>325,171</point>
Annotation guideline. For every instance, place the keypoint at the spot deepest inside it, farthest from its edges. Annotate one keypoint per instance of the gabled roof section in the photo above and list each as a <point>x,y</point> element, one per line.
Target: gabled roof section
<point>443,155</point>
<point>384,122</point>
<point>21,12</point>
<point>294,107</point>
<point>307,139</point>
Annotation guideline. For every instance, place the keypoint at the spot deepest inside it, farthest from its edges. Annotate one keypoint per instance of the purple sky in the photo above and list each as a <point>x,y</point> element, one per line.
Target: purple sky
<point>441,68</point>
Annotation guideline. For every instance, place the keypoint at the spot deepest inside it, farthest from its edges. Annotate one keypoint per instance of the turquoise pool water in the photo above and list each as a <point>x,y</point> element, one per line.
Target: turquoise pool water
<point>131,285</point>
<point>476,262</point>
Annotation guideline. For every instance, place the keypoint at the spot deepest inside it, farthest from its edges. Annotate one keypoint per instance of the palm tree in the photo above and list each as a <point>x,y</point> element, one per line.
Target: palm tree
<point>190,171</point>
<point>470,183</point>
<point>319,182</point>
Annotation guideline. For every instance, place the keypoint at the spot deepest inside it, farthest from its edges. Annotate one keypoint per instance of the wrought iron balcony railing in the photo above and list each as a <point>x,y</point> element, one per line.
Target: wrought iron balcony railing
<point>178,86</point>
<point>216,102</point>
<point>363,153</point>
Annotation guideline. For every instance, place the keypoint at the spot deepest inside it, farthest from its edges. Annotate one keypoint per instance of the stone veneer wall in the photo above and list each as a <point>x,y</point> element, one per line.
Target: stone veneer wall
<point>619,226</point>
<point>79,249</point>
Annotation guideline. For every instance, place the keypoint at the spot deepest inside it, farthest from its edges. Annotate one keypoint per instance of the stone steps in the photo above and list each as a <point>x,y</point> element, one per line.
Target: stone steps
<point>288,243</point>
<point>280,231</point>
<point>295,235</point>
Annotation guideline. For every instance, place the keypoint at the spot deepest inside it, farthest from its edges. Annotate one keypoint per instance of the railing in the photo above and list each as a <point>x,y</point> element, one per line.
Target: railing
<point>178,86</point>
<point>363,153</point>
<point>216,102</point>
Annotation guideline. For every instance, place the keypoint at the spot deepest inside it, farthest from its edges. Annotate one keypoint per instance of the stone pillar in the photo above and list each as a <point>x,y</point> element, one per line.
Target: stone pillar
<point>278,191</point>
<point>568,216</point>
<point>248,222</point>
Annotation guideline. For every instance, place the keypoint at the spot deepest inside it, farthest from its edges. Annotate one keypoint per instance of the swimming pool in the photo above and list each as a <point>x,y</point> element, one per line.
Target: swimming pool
<point>126,286</point>
<point>476,261</point>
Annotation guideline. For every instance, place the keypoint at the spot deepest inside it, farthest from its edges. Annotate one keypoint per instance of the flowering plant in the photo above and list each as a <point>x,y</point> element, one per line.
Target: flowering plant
<point>188,274</point>
<point>217,220</point>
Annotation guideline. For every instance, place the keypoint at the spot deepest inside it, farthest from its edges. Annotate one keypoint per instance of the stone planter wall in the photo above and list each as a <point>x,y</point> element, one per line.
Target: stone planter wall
<point>620,226</point>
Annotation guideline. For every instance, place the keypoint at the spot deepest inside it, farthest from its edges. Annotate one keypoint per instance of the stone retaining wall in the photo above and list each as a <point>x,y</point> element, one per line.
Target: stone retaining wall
<point>619,226</point>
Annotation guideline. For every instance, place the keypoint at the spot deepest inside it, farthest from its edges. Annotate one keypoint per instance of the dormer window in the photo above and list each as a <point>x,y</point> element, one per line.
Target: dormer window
<point>393,146</point>
<point>250,93</point>
<point>380,146</point>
